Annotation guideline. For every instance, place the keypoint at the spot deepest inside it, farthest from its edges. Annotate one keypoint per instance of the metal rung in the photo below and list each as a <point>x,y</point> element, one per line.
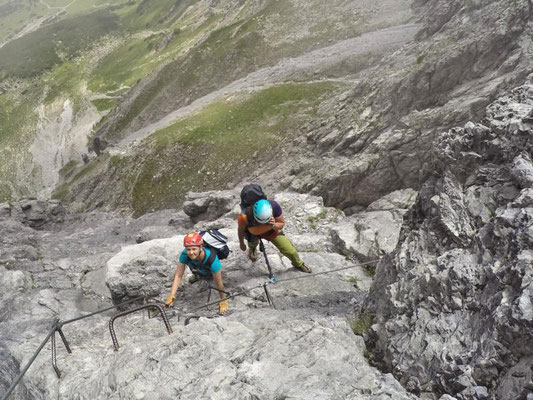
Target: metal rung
<point>123,313</point>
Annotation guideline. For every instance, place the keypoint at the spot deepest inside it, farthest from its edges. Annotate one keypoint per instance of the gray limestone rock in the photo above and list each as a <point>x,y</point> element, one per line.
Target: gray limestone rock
<point>399,199</point>
<point>368,235</point>
<point>208,206</point>
<point>522,170</point>
<point>34,213</point>
<point>143,269</point>
<point>382,140</point>
<point>304,349</point>
<point>5,210</point>
<point>452,303</point>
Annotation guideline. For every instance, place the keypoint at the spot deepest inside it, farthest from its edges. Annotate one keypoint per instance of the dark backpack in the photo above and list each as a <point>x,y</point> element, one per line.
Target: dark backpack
<point>217,243</point>
<point>250,194</point>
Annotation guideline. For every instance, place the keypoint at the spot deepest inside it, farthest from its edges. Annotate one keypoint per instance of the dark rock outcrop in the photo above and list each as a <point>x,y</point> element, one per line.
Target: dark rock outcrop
<point>453,303</point>
<point>9,370</point>
<point>33,212</point>
<point>208,206</point>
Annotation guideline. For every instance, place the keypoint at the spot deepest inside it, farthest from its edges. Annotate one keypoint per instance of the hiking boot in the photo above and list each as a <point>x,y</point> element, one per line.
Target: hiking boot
<point>194,278</point>
<point>305,268</point>
<point>252,254</point>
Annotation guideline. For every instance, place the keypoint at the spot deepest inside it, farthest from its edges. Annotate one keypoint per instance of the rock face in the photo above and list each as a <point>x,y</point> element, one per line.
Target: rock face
<point>142,269</point>
<point>453,302</point>
<point>208,206</point>
<point>369,137</point>
<point>303,349</point>
<point>33,212</point>
<point>376,137</point>
<point>371,234</point>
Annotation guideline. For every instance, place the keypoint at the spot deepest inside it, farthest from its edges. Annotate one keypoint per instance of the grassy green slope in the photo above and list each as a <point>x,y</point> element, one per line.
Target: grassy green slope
<point>37,69</point>
<point>228,53</point>
<point>137,56</point>
<point>216,146</point>
<point>56,61</point>
<point>17,120</point>
<point>15,14</point>
<point>199,49</point>
<point>41,50</point>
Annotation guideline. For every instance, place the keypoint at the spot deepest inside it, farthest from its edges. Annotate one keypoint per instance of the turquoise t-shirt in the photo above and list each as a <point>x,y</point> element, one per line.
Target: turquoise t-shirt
<point>199,267</point>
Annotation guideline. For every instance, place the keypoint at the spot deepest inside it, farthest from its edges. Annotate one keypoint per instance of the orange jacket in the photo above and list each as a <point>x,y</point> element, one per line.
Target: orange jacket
<point>264,231</point>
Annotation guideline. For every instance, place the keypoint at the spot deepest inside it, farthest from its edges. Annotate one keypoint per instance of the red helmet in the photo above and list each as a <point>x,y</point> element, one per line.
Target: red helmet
<point>193,239</point>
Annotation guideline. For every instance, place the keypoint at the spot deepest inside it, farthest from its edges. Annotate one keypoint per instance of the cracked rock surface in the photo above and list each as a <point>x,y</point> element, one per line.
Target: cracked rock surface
<point>303,349</point>
<point>453,302</point>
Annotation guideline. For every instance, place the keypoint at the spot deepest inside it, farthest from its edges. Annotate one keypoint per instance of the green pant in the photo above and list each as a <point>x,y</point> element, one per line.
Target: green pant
<point>285,247</point>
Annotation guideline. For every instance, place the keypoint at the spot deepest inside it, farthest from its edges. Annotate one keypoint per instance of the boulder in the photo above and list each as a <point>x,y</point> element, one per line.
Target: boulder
<point>33,212</point>
<point>368,235</point>
<point>399,199</point>
<point>143,269</point>
<point>208,206</point>
<point>5,210</point>
<point>522,170</point>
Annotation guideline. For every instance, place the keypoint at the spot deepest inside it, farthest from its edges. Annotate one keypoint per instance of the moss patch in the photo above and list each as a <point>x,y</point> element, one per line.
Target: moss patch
<point>370,269</point>
<point>353,280</point>
<point>362,324</point>
<point>104,104</point>
<point>315,219</point>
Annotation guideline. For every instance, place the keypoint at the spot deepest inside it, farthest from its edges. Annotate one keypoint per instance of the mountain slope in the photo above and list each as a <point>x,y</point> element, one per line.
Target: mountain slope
<point>381,133</point>
<point>228,53</point>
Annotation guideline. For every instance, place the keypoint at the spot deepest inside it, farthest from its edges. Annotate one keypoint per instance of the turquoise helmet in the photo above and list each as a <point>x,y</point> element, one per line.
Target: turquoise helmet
<point>262,211</point>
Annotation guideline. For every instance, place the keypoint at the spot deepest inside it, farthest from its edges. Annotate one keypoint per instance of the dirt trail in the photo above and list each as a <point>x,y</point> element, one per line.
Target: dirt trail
<point>32,26</point>
<point>285,70</point>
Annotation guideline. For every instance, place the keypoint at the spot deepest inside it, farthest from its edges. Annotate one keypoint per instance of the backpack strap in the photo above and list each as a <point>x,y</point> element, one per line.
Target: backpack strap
<point>250,216</point>
<point>211,259</point>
